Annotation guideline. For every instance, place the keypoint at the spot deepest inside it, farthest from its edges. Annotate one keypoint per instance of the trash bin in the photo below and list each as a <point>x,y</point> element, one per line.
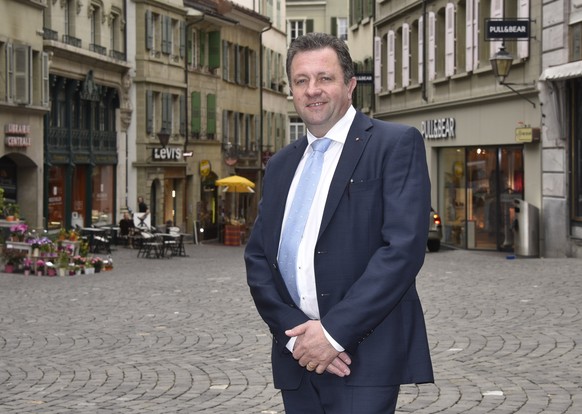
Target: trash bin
<point>526,240</point>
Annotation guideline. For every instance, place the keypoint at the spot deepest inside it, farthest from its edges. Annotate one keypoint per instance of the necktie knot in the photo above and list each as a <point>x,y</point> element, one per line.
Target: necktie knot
<point>321,144</point>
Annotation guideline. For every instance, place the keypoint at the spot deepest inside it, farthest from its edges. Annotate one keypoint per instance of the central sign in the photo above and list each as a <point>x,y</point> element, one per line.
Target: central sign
<point>166,154</point>
<point>507,29</point>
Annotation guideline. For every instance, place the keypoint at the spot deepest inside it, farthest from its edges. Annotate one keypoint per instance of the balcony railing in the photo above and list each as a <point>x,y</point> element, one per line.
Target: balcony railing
<point>115,54</point>
<point>93,47</point>
<point>50,34</point>
<point>73,41</point>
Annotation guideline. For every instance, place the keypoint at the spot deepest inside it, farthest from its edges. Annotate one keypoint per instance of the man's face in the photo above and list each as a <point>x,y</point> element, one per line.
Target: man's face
<point>320,95</point>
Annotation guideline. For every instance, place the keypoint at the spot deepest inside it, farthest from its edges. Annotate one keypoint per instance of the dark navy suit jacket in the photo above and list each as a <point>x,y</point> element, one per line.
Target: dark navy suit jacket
<point>370,248</point>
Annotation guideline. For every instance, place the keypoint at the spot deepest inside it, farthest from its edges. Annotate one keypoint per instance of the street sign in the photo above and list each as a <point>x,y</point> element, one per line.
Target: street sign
<point>502,29</point>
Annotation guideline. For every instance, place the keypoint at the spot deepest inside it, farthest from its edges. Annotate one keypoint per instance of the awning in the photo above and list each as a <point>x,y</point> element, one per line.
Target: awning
<point>562,72</point>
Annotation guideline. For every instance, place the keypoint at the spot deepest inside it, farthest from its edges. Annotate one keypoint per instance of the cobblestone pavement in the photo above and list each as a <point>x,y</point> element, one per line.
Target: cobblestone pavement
<point>182,335</point>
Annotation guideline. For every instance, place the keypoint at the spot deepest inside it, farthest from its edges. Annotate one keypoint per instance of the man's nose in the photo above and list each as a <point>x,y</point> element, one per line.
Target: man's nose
<point>313,88</point>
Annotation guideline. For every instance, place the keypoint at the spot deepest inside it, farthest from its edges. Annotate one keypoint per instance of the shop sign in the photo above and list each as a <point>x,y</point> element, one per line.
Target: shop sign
<point>17,135</point>
<point>442,128</point>
<point>527,134</point>
<point>166,154</point>
<point>506,29</point>
<point>205,168</point>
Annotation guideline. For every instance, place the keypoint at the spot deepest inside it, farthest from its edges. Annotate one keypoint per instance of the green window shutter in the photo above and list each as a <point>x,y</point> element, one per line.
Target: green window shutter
<point>189,47</point>
<point>309,26</point>
<point>149,112</point>
<point>214,50</point>
<point>333,27</point>
<point>196,116</point>
<point>149,31</point>
<point>182,39</point>
<point>182,115</point>
<point>211,114</point>
<point>202,37</point>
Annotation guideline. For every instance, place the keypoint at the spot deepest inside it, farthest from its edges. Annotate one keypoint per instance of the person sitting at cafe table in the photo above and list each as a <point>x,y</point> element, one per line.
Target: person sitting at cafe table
<point>126,228</point>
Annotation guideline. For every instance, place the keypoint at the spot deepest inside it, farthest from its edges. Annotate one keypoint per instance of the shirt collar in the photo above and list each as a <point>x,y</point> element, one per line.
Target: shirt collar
<point>339,132</point>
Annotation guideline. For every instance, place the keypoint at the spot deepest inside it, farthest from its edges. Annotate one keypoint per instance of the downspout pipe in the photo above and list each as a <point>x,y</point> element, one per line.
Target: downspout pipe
<point>261,129</point>
<point>424,52</point>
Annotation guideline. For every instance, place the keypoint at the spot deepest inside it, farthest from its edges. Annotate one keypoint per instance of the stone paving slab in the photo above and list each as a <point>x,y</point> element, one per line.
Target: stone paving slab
<point>181,335</point>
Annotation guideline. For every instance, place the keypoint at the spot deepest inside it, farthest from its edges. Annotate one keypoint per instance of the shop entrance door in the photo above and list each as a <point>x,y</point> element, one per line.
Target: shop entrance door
<point>478,186</point>
<point>494,180</point>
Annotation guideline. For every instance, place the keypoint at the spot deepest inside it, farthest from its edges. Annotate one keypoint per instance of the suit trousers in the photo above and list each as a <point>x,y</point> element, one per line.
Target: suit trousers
<point>329,394</point>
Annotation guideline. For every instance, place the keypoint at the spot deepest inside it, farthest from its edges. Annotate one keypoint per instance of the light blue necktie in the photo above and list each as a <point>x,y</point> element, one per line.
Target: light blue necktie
<point>298,213</point>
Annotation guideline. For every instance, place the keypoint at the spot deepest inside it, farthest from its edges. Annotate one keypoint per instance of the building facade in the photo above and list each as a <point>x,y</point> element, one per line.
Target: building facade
<point>481,136</point>
<point>24,101</point>
<point>89,114</point>
<point>561,95</point>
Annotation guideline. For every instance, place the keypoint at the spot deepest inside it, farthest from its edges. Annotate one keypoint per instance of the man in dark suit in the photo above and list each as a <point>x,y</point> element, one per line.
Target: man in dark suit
<point>356,330</point>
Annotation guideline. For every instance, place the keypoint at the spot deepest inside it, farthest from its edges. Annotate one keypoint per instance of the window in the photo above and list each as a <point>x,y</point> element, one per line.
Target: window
<point>390,53</point>
<point>575,41</point>
<point>296,129</point>
<point>19,73</point>
<point>192,49</point>
<point>56,197</point>
<point>95,24</point>
<point>296,28</point>
<point>575,88</point>
<point>339,28</point>
<point>103,194</point>
<point>114,31</point>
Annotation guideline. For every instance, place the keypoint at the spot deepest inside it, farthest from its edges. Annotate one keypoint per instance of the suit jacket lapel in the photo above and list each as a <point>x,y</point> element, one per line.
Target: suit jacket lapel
<point>284,179</point>
<point>356,142</point>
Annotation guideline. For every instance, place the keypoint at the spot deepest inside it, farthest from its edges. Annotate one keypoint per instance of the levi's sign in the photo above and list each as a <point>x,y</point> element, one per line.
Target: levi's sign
<point>507,29</point>
<point>167,154</point>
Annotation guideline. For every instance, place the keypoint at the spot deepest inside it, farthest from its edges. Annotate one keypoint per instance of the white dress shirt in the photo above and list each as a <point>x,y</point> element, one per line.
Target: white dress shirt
<point>305,257</point>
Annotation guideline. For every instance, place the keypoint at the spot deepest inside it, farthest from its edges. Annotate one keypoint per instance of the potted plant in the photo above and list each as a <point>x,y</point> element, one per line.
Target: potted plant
<point>40,264</point>
<point>27,265</point>
<point>12,259</point>
<point>11,211</point>
<point>97,263</point>
<point>89,268</point>
<point>18,232</point>
<point>63,259</point>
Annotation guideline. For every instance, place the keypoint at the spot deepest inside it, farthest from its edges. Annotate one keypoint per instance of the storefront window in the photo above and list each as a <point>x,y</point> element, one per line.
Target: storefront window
<point>56,197</point>
<point>103,195</point>
<point>479,186</point>
<point>452,201</point>
<point>576,100</point>
<point>79,196</point>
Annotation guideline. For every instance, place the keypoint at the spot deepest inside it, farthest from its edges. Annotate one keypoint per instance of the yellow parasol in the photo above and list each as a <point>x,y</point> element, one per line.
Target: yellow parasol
<point>236,184</point>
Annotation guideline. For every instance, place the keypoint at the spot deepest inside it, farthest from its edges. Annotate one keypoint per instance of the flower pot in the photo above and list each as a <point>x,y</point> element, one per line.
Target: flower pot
<point>39,272</point>
<point>8,268</point>
<point>89,270</point>
<point>62,271</point>
<point>26,272</point>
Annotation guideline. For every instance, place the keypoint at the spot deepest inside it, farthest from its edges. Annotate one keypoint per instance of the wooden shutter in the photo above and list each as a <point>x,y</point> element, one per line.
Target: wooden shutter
<point>211,113</point>
<point>496,13</point>
<point>45,93</point>
<point>431,46</point>
<point>22,73</point>
<point>182,115</point>
<point>149,31</point>
<point>189,45</point>
<point>405,55</point>
<point>523,45</point>
<point>195,112</point>
<point>309,26</point>
<point>469,36</point>
<point>333,27</point>
<point>391,60</point>
<point>450,40</point>
<point>377,64</point>
<point>421,50</point>
<point>214,50</point>
<point>149,112</point>
<point>182,39</point>
<point>202,48</point>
